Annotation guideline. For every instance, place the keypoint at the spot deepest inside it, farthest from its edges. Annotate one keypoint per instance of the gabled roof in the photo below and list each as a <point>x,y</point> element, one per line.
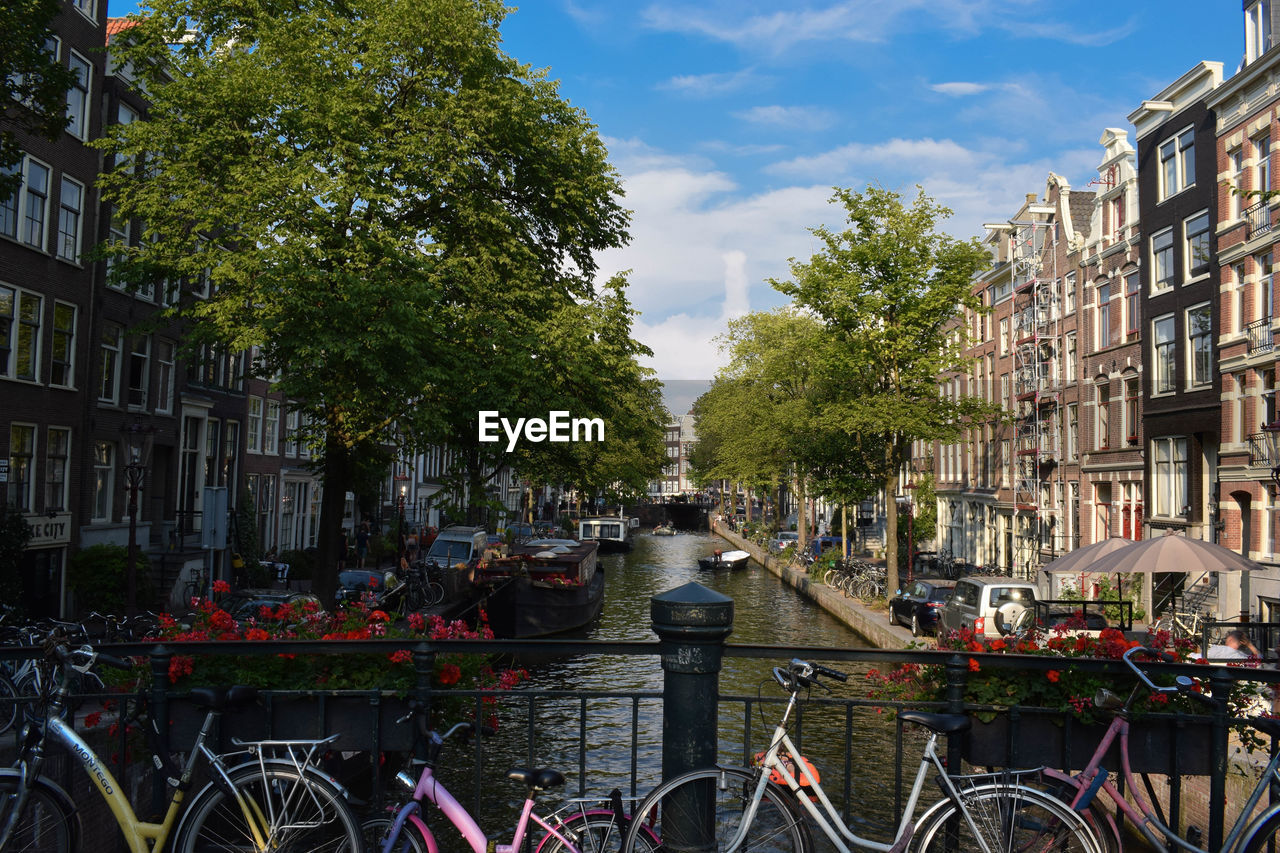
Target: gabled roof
<point>119,25</point>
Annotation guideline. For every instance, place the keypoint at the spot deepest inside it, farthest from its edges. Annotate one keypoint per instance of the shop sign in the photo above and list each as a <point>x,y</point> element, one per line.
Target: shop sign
<point>4,470</point>
<point>46,531</point>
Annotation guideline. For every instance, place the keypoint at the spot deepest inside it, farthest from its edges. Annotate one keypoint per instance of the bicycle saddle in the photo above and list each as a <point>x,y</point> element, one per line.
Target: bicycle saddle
<point>942,723</point>
<point>222,698</point>
<point>538,778</point>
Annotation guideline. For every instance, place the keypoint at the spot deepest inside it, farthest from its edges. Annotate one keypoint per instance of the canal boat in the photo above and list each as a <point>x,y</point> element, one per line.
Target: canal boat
<point>613,532</point>
<point>725,560</point>
<point>664,530</point>
<point>536,590</point>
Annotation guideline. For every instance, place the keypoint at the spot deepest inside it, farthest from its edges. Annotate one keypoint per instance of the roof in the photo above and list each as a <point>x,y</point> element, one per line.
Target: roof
<point>119,25</point>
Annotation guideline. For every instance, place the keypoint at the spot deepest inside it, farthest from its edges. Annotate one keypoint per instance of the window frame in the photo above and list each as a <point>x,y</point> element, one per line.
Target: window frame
<point>1175,156</point>
<point>1204,338</point>
<point>1203,236</point>
<point>1164,354</point>
<point>253,425</point>
<point>1165,476</point>
<point>62,354</point>
<point>139,392</point>
<point>1102,313</point>
<point>57,468</point>
<point>78,110</point>
<point>165,370</point>
<point>112,354</point>
<point>1102,415</point>
<point>24,501</point>
<point>102,506</point>
<point>1132,304</point>
<point>1164,266</point>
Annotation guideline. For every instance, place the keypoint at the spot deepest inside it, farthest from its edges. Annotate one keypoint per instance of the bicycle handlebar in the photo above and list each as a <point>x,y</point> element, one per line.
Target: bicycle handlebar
<point>801,673</point>
<point>1182,684</point>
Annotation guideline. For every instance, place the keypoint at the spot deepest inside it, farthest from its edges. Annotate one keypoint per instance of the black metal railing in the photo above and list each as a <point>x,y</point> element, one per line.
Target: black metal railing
<point>1259,451</point>
<point>1261,338</point>
<point>637,712</point>
<point>1258,216</point>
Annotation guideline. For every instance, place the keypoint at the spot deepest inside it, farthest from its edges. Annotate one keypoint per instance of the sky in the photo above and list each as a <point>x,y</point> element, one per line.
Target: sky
<point>731,122</point>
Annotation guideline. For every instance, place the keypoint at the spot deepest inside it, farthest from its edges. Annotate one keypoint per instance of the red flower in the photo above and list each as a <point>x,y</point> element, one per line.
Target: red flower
<point>91,720</point>
<point>221,586</point>
<point>401,656</point>
<point>416,622</point>
<point>974,666</point>
<point>998,645</point>
<point>1053,675</point>
<point>379,616</point>
<point>449,674</point>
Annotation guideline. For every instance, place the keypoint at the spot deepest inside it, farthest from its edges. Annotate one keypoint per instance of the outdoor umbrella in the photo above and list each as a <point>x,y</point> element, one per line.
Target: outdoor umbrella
<point>1173,553</point>
<point>1082,559</point>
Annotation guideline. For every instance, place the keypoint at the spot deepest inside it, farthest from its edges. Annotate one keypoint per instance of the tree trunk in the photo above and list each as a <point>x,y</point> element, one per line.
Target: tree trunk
<point>844,530</point>
<point>333,500</point>
<point>802,516</point>
<point>891,530</point>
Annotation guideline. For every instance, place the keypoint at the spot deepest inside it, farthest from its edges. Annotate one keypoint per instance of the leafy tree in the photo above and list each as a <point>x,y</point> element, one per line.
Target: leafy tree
<point>15,533</point>
<point>33,85</point>
<point>889,289</point>
<point>97,576</point>
<point>379,198</point>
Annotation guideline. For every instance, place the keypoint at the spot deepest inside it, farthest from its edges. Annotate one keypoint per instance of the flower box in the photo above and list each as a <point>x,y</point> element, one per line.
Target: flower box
<point>304,716</point>
<point>1066,743</point>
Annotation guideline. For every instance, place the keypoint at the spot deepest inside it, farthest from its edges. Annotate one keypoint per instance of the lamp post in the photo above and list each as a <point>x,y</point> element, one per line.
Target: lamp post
<point>1272,433</point>
<point>908,505</point>
<point>402,494</point>
<point>139,438</point>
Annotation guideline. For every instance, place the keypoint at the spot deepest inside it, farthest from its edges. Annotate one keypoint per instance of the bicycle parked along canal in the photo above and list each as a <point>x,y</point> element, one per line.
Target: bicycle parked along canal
<point>770,807</point>
<point>273,798</point>
<point>582,826</point>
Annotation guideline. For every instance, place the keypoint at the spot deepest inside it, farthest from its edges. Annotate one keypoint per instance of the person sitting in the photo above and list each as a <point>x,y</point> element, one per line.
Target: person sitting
<point>1234,646</point>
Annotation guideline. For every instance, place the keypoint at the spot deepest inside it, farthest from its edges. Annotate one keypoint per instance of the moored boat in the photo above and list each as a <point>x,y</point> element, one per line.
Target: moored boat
<point>725,560</point>
<point>664,530</point>
<point>539,589</point>
<point>613,532</point>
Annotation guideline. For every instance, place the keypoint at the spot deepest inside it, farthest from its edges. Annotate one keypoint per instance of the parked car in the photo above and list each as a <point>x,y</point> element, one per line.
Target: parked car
<point>988,606</point>
<point>518,531</point>
<point>917,605</point>
<point>820,544</point>
<point>354,583</point>
<point>246,603</point>
<point>784,540</point>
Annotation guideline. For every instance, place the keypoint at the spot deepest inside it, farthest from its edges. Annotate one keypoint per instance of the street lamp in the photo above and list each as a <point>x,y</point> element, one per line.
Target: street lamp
<point>1272,433</point>
<point>908,504</point>
<point>402,493</point>
<point>139,437</point>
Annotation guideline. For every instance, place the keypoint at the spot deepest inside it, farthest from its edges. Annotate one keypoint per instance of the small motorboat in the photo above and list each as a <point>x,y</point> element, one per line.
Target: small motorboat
<point>725,560</point>
<point>664,530</point>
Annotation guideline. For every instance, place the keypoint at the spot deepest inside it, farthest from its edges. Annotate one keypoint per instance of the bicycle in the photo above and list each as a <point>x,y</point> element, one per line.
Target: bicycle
<point>581,828</point>
<point>1182,624</point>
<point>421,587</point>
<point>276,799</point>
<point>1245,836</point>
<point>772,806</point>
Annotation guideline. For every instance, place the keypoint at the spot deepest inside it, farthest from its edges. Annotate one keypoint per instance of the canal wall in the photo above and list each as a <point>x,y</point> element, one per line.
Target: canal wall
<point>874,626</point>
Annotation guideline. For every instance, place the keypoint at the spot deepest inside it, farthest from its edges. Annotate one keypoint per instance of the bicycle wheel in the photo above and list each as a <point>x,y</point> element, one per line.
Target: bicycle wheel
<point>1264,837</point>
<point>300,811</point>
<point>435,593</point>
<point>414,597</point>
<point>702,809</point>
<point>8,704</point>
<point>376,829</point>
<point>1008,818</point>
<point>46,824</point>
<point>595,833</point>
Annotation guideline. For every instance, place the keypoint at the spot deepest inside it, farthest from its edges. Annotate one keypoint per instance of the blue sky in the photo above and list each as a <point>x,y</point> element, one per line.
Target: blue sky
<point>731,121</point>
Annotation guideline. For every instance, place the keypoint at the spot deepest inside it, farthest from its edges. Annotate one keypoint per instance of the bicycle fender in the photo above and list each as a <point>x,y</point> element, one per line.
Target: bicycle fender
<point>1099,780</point>
<point>59,796</point>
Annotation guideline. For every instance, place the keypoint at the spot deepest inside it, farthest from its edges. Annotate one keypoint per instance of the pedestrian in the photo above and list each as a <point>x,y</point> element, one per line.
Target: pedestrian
<point>343,545</point>
<point>362,544</point>
<point>411,545</point>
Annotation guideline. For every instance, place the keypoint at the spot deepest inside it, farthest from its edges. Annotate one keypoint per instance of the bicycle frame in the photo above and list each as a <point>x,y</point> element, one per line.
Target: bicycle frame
<point>1140,811</point>
<point>431,788</point>
<point>828,817</point>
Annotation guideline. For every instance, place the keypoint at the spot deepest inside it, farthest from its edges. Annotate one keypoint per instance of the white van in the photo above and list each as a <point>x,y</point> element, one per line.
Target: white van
<point>457,544</point>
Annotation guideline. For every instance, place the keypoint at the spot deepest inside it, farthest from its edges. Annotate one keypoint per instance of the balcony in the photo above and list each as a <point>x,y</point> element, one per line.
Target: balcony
<point>1258,217</point>
<point>1260,336</point>
<point>1260,451</point>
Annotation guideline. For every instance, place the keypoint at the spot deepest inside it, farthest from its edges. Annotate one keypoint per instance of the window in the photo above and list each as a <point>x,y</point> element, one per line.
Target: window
<point>1117,217</point>
<point>56,457</point>
<point>87,7</point>
<point>22,215</point>
<point>1169,476</point>
<point>1006,457</point>
<point>271,428</point>
<point>291,433</point>
<point>1004,336</point>
<point>1104,315</point>
<point>1163,350</point>
<point>1132,304</point>
<point>1197,244</point>
<point>1238,397</point>
<point>1262,265</point>
<point>63,370</point>
<point>78,98</point>
<point>22,450</point>
<point>117,235</point>
<point>1262,163</point>
<point>104,477</point>
<point>1199,345</point>
<point>19,334</point>
<point>1132,413</point>
<point>1103,397</point>
<point>1073,430</point>
<point>1069,288</point>
<point>69,207</point>
<point>254,426</point>
<point>1071,356</point>
<point>1238,322</point>
<point>164,376</point>
<point>110,345</point>
<point>1162,259</point>
<point>1177,163</point>
<point>1257,30</point>
<point>139,371</point>
<point>1235,160</point>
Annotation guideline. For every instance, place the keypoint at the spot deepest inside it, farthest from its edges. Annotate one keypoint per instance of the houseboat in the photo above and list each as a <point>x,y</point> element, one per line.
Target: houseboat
<point>614,533</point>
<point>536,590</point>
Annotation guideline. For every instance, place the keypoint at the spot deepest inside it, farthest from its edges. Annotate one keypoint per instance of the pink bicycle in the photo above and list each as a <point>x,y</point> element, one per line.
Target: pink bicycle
<point>583,826</point>
<point>1246,835</point>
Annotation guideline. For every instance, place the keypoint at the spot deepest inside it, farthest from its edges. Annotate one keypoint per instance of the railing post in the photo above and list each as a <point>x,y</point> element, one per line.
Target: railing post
<point>159,714</point>
<point>424,664</point>
<point>692,623</point>
<point>1220,687</point>
<point>957,670</point>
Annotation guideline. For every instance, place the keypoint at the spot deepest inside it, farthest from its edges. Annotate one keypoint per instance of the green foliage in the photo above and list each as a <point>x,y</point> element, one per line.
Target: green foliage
<point>98,575</point>
<point>246,543</point>
<point>15,533</point>
<point>302,565</point>
<point>33,84</point>
<point>1107,589</point>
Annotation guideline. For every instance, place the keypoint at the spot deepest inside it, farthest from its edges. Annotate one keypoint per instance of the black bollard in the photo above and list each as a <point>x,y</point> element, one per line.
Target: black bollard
<point>692,623</point>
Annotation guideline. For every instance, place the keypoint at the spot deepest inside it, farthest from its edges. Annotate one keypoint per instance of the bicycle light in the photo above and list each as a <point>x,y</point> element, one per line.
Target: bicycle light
<point>408,781</point>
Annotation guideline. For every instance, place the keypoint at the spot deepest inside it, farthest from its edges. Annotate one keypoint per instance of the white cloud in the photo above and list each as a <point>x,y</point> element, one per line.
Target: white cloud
<point>795,118</point>
<point>960,89</point>
<point>714,84</point>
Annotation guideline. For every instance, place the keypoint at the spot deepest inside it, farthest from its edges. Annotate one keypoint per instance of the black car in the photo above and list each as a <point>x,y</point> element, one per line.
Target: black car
<point>248,603</point>
<point>917,605</point>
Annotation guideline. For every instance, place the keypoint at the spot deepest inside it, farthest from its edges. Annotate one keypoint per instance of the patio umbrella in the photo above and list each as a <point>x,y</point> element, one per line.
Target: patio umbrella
<point>1173,553</point>
<point>1082,559</point>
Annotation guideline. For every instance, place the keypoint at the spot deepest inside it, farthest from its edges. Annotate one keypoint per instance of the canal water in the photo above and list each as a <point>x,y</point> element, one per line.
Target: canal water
<point>765,612</point>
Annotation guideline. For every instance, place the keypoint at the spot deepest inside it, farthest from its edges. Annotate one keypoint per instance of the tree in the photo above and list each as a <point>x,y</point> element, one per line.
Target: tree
<point>375,194</point>
<point>33,84</point>
<point>889,289</point>
<point>15,533</point>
